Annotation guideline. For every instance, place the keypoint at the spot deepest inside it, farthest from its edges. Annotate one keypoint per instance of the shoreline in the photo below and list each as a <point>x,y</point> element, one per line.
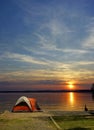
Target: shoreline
<point>46,113</point>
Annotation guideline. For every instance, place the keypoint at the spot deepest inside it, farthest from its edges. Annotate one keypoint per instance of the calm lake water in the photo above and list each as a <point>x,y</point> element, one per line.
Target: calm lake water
<point>68,101</point>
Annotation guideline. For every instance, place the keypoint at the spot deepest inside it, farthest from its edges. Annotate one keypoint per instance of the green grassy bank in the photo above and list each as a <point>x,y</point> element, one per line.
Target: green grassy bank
<point>75,122</point>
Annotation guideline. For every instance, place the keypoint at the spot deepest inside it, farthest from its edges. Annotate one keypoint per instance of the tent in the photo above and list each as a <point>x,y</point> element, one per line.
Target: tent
<point>25,104</point>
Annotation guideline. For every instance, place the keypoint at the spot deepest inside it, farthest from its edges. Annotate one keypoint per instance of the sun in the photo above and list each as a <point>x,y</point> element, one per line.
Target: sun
<point>70,85</point>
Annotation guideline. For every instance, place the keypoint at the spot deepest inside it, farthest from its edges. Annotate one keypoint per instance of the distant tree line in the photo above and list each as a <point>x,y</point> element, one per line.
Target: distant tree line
<point>92,87</point>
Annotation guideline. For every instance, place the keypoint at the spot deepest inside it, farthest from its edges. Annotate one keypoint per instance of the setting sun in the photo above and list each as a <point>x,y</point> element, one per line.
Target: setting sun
<point>70,85</point>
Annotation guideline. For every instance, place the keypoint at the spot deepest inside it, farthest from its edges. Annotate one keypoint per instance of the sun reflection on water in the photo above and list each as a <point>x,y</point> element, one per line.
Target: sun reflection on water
<point>71,98</point>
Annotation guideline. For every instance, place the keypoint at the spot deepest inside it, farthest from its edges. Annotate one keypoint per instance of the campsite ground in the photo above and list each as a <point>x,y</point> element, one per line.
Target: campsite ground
<point>47,120</point>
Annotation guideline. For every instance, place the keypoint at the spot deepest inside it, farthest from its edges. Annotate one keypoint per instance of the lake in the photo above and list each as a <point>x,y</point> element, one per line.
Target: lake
<point>65,101</point>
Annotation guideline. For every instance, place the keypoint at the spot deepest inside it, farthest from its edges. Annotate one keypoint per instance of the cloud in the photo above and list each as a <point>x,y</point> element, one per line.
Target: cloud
<point>24,58</point>
<point>46,43</point>
<point>30,75</point>
<point>47,22</point>
<point>58,71</point>
<point>85,62</point>
<point>50,45</point>
<point>89,39</point>
<point>58,27</point>
<point>36,51</point>
<point>53,32</point>
<point>53,36</point>
<point>75,51</point>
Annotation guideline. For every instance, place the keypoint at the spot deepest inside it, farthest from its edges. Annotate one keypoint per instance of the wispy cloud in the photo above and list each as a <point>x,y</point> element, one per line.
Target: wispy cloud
<point>56,65</point>
<point>89,40</point>
<point>85,63</point>
<point>46,43</point>
<point>75,51</point>
<point>55,41</point>
<point>24,58</point>
<point>57,34</point>
<point>51,25</point>
<point>60,71</point>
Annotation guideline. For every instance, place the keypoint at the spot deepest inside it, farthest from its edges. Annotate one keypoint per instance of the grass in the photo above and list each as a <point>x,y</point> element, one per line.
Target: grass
<point>75,122</point>
<point>15,124</point>
<point>27,121</point>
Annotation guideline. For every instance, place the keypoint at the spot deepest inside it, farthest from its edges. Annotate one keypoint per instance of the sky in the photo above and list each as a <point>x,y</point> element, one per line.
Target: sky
<point>46,42</point>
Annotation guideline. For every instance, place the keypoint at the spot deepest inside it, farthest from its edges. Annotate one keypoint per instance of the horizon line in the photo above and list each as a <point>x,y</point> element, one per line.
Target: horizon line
<point>40,91</point>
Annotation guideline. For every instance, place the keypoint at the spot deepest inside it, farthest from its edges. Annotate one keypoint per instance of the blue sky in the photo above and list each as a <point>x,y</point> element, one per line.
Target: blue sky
<point>47,40</point>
